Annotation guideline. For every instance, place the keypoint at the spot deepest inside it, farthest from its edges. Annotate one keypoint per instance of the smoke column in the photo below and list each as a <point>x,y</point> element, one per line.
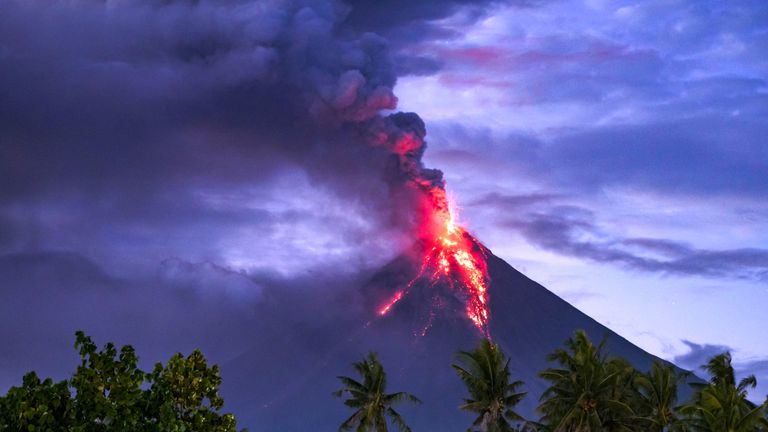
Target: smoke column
<point>452,256</point>
<point>140,87</point>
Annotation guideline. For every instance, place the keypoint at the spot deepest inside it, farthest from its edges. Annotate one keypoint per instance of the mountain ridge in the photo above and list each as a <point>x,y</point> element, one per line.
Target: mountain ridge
<point>527,321</point>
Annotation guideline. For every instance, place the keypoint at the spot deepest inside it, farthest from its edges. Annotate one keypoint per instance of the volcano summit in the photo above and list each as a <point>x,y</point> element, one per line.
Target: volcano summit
<point>417,336</point>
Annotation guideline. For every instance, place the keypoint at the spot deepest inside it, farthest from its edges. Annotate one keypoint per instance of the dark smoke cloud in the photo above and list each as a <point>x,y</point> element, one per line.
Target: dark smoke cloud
<point>407,21</point>
<point>195,174</point>
<point>135,95</point>
<point>171,172</point>
<point>406,24</point>
<point>47,296</point>
<point>138,106</point>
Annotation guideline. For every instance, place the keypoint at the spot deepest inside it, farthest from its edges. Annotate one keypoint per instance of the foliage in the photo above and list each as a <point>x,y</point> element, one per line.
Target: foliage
<point>722,404</point>
<point>485,372</point>
<point>37,405</point>
<point>588,391</point>
<point>108,392</point>
<point>369,398</point>
<point>185,393</point>
<point>107,387</point>
<point>657,397</point>
<point>591,392</point>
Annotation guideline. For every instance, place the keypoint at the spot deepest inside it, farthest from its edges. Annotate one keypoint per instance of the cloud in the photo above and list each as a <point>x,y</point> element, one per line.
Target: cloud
<point>402,20</point>
<point>135,96</point>
<point>49,295</point>
<point>179,307</point>
<point>617,101</point>
<point>514,202</point>
<point>572,230</point>
<point>140,131</point>
<point>665,247</point>
<point>210,278</point>
<point>156,154</point>
<point>408,26</point>
<point>699,354</point>
<point>700,156</point>
<point>416,65</point>
<point>758,368</point>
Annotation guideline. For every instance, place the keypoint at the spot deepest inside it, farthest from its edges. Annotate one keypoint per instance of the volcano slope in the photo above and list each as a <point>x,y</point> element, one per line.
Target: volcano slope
<point>285,386</point>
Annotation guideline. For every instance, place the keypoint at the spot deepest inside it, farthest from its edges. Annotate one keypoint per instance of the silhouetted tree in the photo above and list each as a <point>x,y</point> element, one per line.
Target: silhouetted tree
<point>369,398</point>
<point>657,397</point>
<point>485,372</point>
<point>186,392</point>
<point>588,391</point>
<point>107,386</point>
<point>722,405</point>
<point>108,392</point>
<point>37,405</point>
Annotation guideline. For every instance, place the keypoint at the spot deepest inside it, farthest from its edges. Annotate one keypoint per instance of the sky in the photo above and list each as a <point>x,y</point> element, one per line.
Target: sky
<point>615,152</point>
<point>171,171</point>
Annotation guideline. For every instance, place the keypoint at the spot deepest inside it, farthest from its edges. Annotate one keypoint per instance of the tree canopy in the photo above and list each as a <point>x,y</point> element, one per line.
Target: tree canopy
<point>493,396</point>
<point>369,399</point>
<point>109,393</point>
<point>589,391</point>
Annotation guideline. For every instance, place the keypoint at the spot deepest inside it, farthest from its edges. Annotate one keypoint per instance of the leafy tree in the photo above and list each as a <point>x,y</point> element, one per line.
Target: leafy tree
<point>109,393</point>
<point>657,397</point>
<point>722,404</point>
<point>588,391</point>
<point>622,407</point>
<point>36,405</point>
<point>107,386</point>
<point>765,409</point>
<point>184,394</point>
<point>485,372</point>
<point>370,400</point>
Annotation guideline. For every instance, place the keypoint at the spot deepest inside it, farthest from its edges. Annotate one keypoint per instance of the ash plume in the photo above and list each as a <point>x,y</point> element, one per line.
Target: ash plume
<point>139,88</point>
<point>419,188</point>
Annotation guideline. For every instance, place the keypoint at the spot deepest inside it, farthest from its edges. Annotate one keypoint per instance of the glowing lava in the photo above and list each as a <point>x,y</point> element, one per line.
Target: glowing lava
<point>454,257</point>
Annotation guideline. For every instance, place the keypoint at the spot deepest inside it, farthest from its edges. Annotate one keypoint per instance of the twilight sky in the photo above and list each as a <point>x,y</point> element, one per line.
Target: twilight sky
<point>170,170</point>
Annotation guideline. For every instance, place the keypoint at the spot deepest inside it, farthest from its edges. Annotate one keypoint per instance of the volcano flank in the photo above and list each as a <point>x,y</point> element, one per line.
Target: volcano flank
<point>417,340</point>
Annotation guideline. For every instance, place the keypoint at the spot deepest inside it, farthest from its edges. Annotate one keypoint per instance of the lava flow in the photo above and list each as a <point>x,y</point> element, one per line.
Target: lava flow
<point>454,257</point>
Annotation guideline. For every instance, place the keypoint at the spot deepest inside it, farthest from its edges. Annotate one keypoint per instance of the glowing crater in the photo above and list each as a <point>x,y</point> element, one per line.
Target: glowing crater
<point>452,256</point>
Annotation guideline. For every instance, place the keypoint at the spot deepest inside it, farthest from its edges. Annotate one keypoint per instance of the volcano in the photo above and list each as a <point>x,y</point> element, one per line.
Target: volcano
<point>444,295</point>
<point>289,388</point>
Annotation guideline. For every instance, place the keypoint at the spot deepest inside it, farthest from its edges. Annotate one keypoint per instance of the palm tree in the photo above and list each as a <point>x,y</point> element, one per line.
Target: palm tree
<point>722,404</point>
<point>485,372</point>
<point>657,396</point>
<point>588,392</point>
<point>765,411</point>
<point>370,399</point>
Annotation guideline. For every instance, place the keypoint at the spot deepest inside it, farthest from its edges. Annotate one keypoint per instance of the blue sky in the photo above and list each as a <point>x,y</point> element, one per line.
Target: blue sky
<point>177,163</point>
<point>615,152</point>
